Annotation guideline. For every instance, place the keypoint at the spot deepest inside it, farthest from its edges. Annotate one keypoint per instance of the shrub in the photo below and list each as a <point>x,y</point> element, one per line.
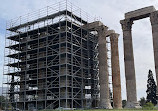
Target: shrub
<point>149,106</point>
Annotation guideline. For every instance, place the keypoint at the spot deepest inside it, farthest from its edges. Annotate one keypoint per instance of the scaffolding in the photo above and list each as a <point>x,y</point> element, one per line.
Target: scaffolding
<point>50,60</point>
<point>108,45</point>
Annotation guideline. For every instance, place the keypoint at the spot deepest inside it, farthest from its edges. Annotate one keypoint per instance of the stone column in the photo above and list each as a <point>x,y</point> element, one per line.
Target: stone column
<point>116,81</point>
<point>154,24</point>
<point>103,69</point>
<point>129,64</point>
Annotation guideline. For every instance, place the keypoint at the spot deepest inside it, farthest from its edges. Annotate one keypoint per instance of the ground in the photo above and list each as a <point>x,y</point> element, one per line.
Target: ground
<point>105,110</point>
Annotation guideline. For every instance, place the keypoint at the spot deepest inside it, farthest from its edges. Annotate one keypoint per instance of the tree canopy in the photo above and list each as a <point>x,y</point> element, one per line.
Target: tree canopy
<point>151,89</point>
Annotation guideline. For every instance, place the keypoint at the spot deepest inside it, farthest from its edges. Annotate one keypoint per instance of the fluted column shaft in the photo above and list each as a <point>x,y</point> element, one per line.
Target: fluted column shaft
<point>103,69</point>
<point>129,64</point>
<point>116,81</point>
<point>154,24</point>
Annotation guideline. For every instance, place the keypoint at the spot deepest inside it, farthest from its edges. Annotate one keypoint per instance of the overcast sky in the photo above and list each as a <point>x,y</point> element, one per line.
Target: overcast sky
<point>110,12</point>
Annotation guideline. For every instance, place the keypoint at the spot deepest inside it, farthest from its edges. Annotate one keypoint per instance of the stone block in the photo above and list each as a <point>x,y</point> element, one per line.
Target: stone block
<point>140,13</point>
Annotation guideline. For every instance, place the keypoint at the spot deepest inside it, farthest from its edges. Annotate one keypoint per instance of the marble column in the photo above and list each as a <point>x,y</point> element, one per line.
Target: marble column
<point>116,81</point>
<point>129,64</point>
<point>154,24</point>
<point>103,69</point>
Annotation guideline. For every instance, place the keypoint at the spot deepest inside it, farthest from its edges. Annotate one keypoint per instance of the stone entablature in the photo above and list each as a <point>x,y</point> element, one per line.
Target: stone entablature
<point>140,13</point>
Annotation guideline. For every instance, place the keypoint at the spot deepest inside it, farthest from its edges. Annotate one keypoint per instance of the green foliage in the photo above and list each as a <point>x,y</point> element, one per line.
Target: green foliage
<point>151,89</point>
<point>2,100</point>
<point>142,101</point>
<point>124,103</point>
<point>149,106</point>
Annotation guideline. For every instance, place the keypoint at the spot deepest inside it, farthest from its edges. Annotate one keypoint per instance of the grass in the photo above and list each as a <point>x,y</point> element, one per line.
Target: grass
<point>106,110</point>
<point>103,110</point>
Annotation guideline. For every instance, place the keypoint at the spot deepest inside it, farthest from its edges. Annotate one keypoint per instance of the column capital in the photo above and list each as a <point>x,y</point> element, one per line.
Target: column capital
<point>114,37</point>
<point>102,29</point>
<point>126,24</point>
<point>154,18</point>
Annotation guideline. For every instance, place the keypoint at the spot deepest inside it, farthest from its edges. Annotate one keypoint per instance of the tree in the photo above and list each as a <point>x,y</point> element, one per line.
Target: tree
<point>4,103</point>
<point>124,103</point>
<point>2,99</point>
<point>151,89</point>
<point>142,101</point>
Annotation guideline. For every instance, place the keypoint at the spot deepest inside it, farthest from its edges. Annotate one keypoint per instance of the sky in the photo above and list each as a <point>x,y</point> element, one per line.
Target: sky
<point>110,13</point>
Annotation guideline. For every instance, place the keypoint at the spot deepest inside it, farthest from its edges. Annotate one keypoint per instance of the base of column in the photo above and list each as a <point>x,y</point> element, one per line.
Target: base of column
<point>133,105</point>
<point>105,104</point>
<point>120,107</point>
<point>156,106</point>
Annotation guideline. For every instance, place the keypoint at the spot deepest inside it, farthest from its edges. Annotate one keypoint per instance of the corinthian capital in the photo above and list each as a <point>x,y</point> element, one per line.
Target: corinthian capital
<point>102,29</point>
<point>114,37</point>
<point>126,24</point>
<point>154,18</point>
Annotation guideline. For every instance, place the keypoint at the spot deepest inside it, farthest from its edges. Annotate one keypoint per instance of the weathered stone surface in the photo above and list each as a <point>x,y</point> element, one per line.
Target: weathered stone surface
<point>132,105</point>
<point>128,49</point>
<point>126,24</point>
<point>93,26</point>
<point>154,23</point>
<point>103,69</point>
<point>103,65</point>
<point>109,32</point>
<point>116,80</point>
<point>129,64</point>
<point>154,18</point>
<point>140,13</point>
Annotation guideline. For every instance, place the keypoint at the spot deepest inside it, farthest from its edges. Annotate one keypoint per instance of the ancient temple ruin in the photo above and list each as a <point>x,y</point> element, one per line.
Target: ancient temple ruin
<point>130,17</point>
